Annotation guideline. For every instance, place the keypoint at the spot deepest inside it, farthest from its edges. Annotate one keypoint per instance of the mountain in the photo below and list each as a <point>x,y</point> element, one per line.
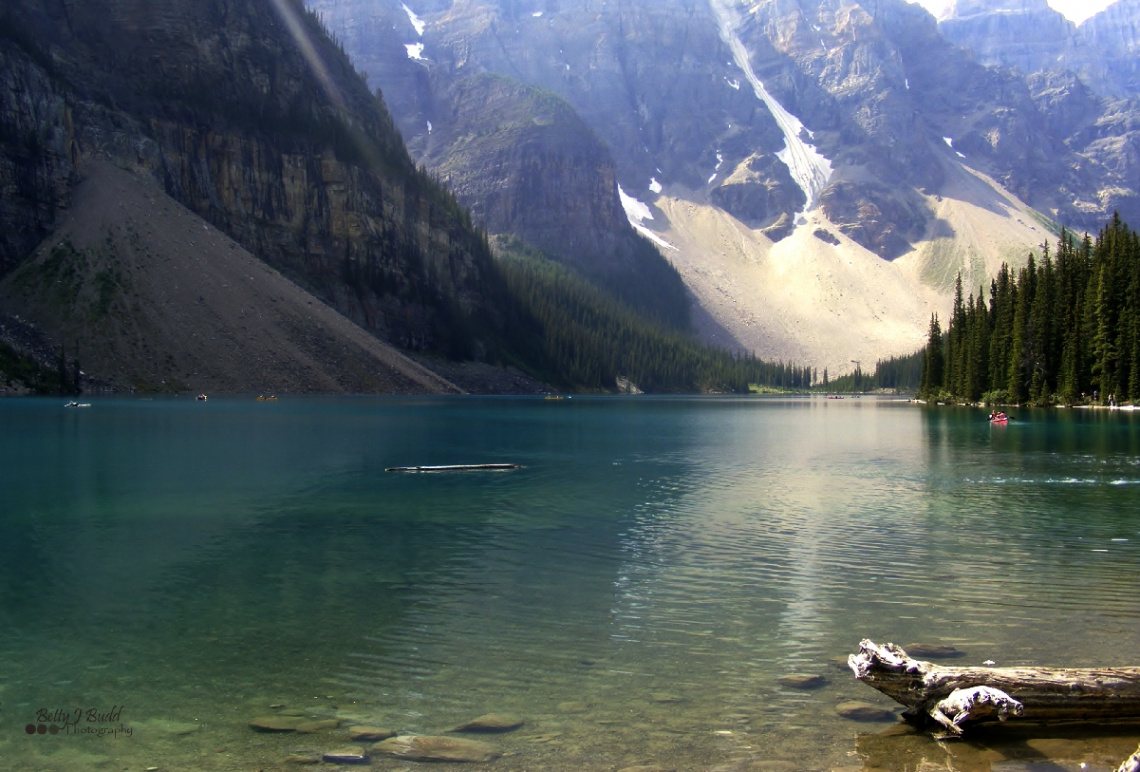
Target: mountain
<point>817,171</point>
<point>1026,34</point>
<point>246,120</point>
<point>151,297</point>
<point>801,179</point>
<point>526,164</point>
<point>1113,36</point>
<point>1032,37</point>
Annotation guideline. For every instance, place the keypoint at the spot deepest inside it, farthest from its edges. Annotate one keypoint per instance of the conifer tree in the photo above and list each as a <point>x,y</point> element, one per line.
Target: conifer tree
<point>1019,349</point>
<point>933,364</point>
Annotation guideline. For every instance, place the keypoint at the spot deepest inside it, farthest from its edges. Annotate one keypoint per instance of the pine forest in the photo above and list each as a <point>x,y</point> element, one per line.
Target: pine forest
<point>1065,330</point>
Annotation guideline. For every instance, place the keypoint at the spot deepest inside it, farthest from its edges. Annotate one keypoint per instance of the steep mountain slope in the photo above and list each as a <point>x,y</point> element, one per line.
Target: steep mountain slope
<point>524,162</point>
<point>1026,34</point>
<point>850,139</point>
<point>247,115</point>
<point>1112,39</point>
<point>151,296</point>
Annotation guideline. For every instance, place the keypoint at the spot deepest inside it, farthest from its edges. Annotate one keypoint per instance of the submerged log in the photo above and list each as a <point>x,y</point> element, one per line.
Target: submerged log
<point>957,696</point>
<point>456,468</point>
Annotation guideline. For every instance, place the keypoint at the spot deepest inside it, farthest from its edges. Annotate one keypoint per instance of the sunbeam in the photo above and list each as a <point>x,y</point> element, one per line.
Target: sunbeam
<point>288,13</point>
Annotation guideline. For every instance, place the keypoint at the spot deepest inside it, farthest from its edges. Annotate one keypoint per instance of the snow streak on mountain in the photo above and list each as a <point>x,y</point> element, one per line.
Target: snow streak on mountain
<point>809,168</point>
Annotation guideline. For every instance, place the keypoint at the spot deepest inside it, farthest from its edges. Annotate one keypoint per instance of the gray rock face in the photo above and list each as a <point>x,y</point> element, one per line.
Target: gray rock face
<point>878,85</point>
<point>220,107</point>
<point>492,723</point>
<point>1111,40</point>
<point>1031,36</point>
<point>1026,34</point>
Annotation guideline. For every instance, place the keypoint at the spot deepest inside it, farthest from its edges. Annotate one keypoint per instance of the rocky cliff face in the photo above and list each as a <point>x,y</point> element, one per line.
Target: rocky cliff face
<point>38,155</point>
<point>1026,34</point>
<point>1032,37</point>
<point>1112,41</point>
<point>249,116</point>
<point>877,85</point>
<point>527,165</point>
<point>857,119</point>
<point>1083,82</point>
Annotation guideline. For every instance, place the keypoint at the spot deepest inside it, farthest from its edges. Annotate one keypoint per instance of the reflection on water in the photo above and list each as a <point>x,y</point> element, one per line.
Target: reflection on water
<point>635,591</point>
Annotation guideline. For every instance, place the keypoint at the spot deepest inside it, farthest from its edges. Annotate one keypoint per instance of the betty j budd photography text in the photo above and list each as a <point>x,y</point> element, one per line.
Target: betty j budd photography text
<point>90,722</point>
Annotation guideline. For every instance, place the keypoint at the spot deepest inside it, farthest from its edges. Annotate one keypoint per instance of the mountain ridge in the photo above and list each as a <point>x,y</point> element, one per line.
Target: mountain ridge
<point>937,162</point>
<point>148,293</point>
<point>249,117</point>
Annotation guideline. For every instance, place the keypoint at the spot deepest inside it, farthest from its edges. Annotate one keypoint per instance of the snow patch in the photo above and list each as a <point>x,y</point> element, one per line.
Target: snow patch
<point>653,236</point>
<point>654,185</point>
<point>415,51</point>
<point>809,168</point>
<point>716,169</point>
<point>950,144</point>
<point>429,127</point>
<point>907,84</point>
<point>733,82</point>
<point>537,15</point>
<point>416,21</point>
<point>637,212</point>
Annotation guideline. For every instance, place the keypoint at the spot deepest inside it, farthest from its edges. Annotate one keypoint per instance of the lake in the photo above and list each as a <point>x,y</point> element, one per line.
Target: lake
<point>171,570</point>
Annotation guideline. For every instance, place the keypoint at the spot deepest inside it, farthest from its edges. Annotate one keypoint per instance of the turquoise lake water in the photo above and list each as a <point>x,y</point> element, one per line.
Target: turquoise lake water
<point>171,570</point>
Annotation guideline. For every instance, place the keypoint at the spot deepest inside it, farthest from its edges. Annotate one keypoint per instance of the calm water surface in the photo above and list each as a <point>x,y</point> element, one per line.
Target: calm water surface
<point>170,570</point>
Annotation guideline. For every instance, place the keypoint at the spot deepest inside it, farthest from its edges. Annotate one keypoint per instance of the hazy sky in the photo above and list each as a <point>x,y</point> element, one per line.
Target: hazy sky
<point>1075,10</point>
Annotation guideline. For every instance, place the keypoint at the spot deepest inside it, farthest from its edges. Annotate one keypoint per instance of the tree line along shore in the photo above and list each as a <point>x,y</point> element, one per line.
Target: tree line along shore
<point>1063,331</point>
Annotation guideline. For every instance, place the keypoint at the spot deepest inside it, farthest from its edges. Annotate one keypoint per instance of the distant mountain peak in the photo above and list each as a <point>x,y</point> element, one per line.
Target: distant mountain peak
<point>964,8</point>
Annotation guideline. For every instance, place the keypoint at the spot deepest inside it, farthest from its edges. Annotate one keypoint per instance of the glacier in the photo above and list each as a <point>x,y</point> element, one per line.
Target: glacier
<point>809,168</point>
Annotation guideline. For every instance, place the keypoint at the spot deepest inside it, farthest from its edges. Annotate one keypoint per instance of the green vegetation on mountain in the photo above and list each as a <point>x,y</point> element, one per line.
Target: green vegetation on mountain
<point>1064,330</point>
<point>577,336</point>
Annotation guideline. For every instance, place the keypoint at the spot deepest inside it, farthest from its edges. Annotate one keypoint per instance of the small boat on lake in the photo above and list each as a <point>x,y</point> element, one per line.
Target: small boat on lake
<point>999,418</point>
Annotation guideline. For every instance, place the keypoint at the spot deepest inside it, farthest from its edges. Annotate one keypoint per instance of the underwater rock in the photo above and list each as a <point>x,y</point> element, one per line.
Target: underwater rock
<point>863,711</point>
<point>432,748</point>
<point>277,723</point>
<point>353,755</point>
<point>491,722</point>
<point>370,733</point>
<point>666,697</point>
<point>308,727</point>
<point>303,758</point>
<point>802,681</point>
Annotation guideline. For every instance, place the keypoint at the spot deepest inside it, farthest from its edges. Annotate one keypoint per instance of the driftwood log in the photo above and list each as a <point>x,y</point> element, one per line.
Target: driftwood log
<point>456,468</point>
<point>1130,764</point>
<point>954,697</point>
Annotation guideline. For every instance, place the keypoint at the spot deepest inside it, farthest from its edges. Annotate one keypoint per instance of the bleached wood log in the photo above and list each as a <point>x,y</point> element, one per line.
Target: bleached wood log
<point>1131,764</point>
<point>949,696</point>
<point>974,704</point>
